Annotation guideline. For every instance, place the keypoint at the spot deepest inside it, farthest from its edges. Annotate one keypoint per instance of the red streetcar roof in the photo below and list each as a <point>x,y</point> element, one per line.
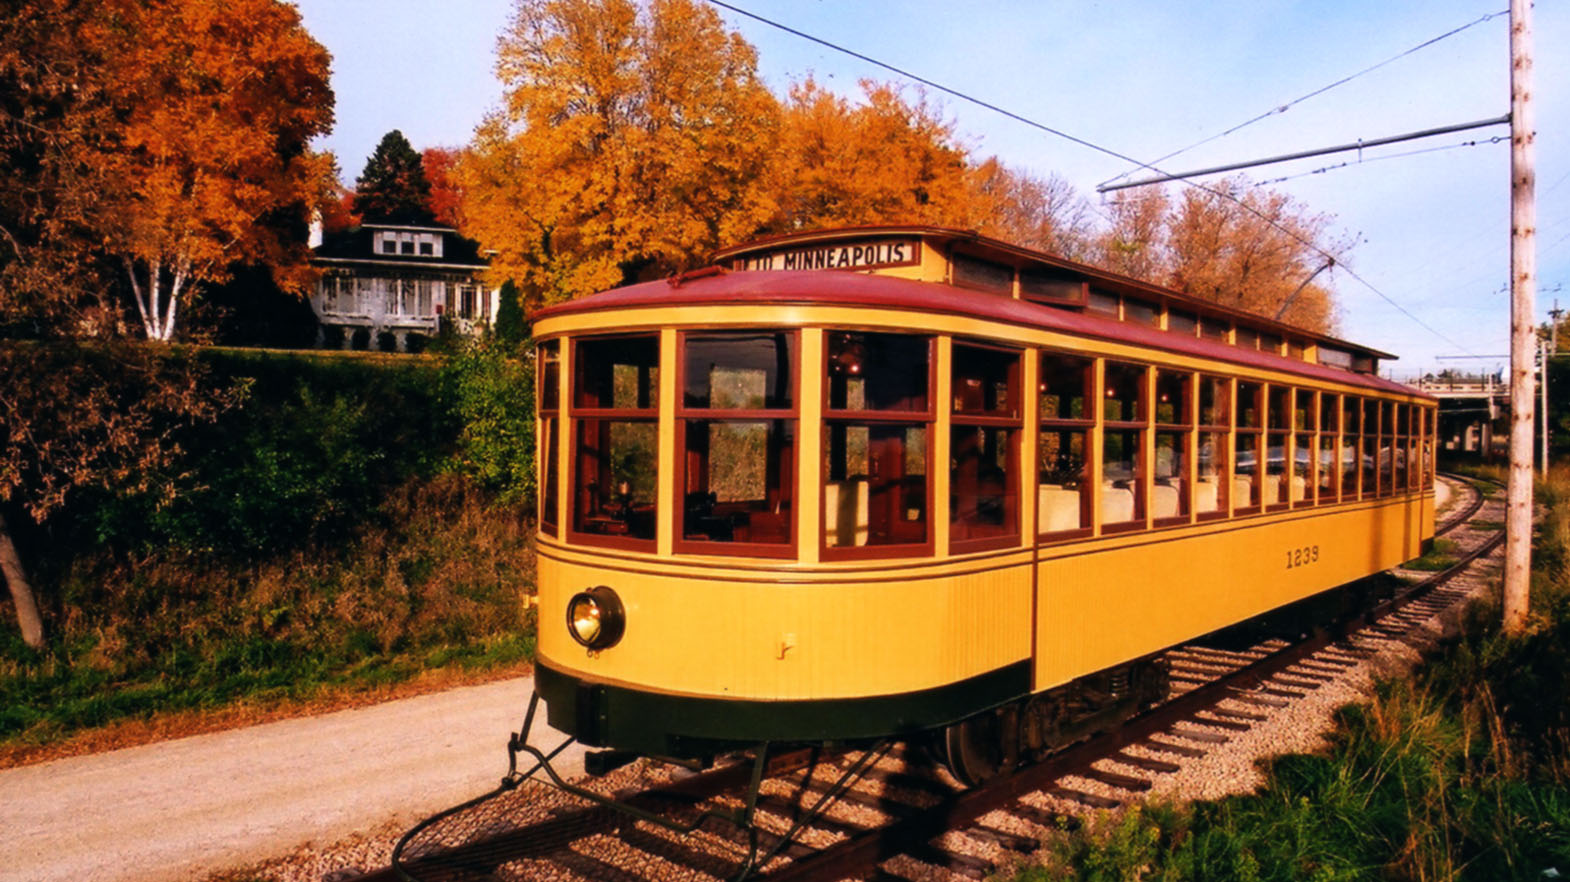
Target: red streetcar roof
<point>807,287</point>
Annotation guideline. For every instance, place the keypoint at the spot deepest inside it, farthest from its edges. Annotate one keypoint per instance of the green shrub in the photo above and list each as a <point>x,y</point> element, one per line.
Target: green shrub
<point>490,392</point>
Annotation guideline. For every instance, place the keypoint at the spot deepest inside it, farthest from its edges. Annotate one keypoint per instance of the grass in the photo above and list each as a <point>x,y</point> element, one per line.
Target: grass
<point>1442,556</point>
<point>1459,772</point>
<point>439,581</point>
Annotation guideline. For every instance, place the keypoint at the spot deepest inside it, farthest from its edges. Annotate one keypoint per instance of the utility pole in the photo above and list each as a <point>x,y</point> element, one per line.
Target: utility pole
<point>1523,283</point>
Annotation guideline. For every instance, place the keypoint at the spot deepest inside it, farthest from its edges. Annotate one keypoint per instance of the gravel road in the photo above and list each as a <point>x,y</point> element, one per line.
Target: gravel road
<point>183,809</point>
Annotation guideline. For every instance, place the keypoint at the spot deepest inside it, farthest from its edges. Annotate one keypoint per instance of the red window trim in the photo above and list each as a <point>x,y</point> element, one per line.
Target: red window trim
<point>680,544</point>
<point>926,419</point>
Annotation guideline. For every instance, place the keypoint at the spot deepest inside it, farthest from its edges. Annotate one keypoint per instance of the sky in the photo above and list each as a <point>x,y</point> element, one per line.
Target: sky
<point>1140,78</point>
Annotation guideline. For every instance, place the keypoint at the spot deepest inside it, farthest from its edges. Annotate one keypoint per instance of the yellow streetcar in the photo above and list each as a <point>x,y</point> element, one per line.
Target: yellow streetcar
<point>910,480</point>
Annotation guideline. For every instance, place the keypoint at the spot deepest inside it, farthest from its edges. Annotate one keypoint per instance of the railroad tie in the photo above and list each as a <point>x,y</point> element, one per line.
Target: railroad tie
<point>1229,725</point>
<point>1149,764</point>
<point>1041,817</point>
<point>1003,838</point>
<point>1197,735</point>
<point>1118,780</point>
<point>953,861</point>
<point>1083,798</point>
<point>1257,700</point>
<point>1237,714</point>
<point>1174,749</point>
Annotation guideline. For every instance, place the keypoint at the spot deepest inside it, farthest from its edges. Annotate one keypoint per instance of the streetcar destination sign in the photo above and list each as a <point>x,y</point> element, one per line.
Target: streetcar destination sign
<point>861,255</point>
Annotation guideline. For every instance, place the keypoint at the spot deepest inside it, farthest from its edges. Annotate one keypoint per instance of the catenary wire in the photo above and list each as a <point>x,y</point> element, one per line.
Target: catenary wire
<point>971,99</point>
<point>1320,91</point>
<point>1367,161</point>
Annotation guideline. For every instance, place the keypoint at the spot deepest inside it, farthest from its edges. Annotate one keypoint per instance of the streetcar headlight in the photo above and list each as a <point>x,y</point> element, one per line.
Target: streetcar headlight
<point>595,617</point>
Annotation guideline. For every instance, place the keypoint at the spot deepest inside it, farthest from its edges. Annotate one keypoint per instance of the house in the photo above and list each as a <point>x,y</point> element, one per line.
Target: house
<point>389,286</point>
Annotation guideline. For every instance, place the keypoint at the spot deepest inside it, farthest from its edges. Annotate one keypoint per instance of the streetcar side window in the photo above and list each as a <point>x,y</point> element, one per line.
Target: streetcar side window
<point>1351,431</point>
<point>1123,465</point>
<point>1329,415</point>
<point>616,466</point>
<point>1247,473</point>
<point>1174,418</point>
<point>1215,420</point>
<point>1371,429</point>
<point>736,428</point>
<point>984,443</point>
<point>1278,474</point>
<point>877,424</point>
<point>1062,455</point>
<point>548,369</point>
<point>1303,446</point>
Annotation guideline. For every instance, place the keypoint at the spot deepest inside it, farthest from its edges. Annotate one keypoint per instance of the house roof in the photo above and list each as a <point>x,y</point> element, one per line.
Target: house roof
<point>356,245</point>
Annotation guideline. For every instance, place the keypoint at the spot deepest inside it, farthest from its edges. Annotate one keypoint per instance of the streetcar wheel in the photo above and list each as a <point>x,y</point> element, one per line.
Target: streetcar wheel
<point>975,750</point>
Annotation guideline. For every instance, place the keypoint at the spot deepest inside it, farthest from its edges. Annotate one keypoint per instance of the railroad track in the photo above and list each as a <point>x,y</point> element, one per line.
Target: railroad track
<point>889,813</point>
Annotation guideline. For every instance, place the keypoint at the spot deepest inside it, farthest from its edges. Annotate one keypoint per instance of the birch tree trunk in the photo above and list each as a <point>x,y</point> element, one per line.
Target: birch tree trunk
<point>27,617</point>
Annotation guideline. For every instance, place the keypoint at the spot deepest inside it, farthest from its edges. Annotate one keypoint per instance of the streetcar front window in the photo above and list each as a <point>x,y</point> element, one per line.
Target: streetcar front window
<point>615,466</point>
<point>738,429</point>
<point>877,421</point>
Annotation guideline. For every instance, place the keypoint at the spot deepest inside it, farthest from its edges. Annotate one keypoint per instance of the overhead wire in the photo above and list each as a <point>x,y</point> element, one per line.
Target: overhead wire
<point>971,99</point>
<point>1369,160</point>
<point>1320,91</point>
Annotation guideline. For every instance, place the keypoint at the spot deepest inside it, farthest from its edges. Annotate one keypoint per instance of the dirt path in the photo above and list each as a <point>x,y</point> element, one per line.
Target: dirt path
<point>182,809</point>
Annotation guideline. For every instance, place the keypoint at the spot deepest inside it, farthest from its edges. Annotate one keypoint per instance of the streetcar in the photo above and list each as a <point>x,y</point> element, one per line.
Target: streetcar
<point>914,482</point>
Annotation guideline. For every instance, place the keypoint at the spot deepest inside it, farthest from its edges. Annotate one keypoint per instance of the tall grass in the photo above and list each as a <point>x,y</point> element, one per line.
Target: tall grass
<point>1461,771</point>
<point>442,578</point>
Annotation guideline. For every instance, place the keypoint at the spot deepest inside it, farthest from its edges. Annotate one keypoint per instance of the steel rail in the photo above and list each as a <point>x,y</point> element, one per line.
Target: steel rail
<point>861,853</point>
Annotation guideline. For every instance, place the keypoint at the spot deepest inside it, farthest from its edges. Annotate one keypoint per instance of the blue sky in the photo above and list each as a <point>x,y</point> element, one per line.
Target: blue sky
<point>1142,78</point>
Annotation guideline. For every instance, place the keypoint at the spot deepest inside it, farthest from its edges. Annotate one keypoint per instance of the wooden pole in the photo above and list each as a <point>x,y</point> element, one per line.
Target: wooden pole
<point>1523,271</point>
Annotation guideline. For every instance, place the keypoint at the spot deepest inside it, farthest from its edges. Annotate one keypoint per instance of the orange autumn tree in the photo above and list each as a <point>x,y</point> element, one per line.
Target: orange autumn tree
<point>441,172</point>
<point>880,160</point>
<point>1248,248</point>
<point>1044,213</point>
<point>217,104</point>
<point>629,144</point>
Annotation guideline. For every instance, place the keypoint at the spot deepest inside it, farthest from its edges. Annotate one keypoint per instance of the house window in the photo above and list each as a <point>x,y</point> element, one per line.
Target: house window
<point>427,249</point>
<point>878,417</point>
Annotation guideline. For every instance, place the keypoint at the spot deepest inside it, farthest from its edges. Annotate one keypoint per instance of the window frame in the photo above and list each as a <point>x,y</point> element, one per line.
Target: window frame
<point>1014,424</point>
<point>578,414</point>
<point>926,419</point>
<point>1141,426</point>
<point>1086,426</point>
<point>684,415</point>
<point>548,440</point>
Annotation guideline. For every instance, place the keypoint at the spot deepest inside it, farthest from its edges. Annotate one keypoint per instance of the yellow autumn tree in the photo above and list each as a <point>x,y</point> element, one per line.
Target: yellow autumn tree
<point>629,144</point>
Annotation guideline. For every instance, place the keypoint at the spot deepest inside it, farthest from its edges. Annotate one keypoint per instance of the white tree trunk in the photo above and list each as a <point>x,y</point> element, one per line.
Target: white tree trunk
<point>27,617</point>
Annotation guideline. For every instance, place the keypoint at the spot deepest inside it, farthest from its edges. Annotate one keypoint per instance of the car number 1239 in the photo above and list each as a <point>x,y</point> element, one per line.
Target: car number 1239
<point>1297,557</point>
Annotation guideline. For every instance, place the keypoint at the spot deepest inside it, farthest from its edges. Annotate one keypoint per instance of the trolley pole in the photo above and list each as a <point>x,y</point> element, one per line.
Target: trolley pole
<point>1523,270</point>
